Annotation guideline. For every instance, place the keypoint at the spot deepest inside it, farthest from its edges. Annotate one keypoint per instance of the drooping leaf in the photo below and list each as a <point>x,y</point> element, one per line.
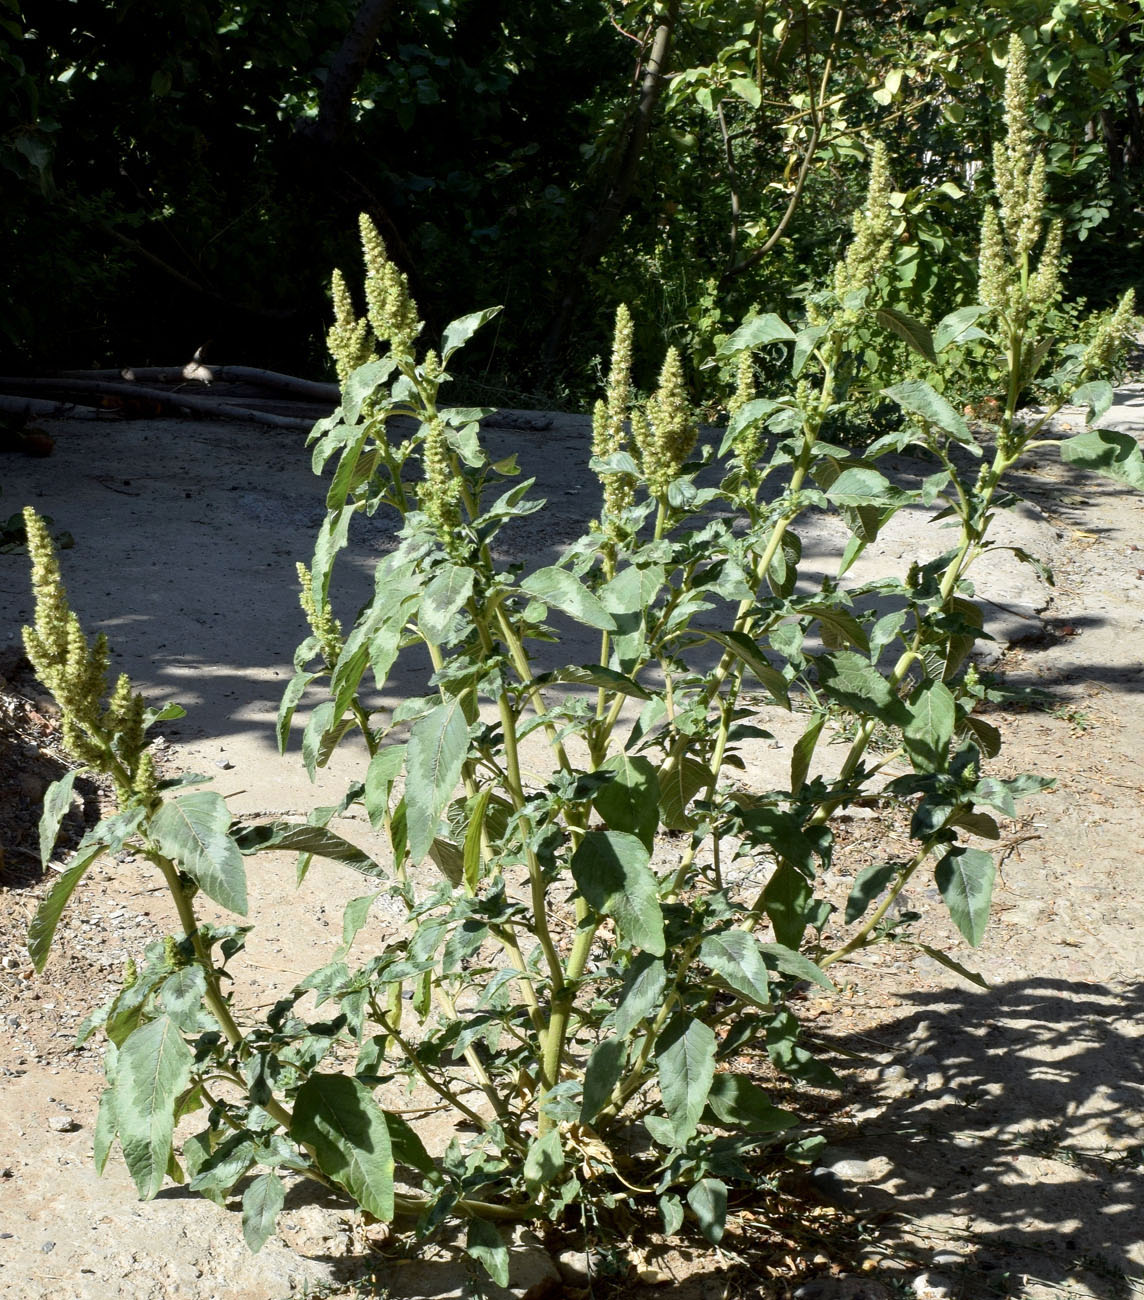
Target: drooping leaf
<point>804,344</point>
<point>1096,397</point>
<point>443,597</point>
<point>544,1161</point>
<point>641,995</point>
<point>738,1102</point>
<point>261,1203</point>
<point>851,679</point>
<point>944,959</point>
<point>965,878</point>
<point>791,962</point>
<point>958,327</point>
<point>685,1064</point>
<point>601,1075</point>
<point>407,1147</point>
<point>606,679</point>
<point>933,715</point>
<point>57,801</point>
<point>868,884</point>
<point>756,332</point>
<point>787,898</point>
<point>152,1068</point>
<point>917,397</point>
<point>362,383</point>
<point>485,1244</point>
<point>192,831</point>
<point>864,487</point>
<point>1116,455</point>
<point>293,837</point>
<point>354,916</point>
<point>43,927</point>
<point>384,769</point>
<point>612,873</point>
<point>734,956</point>
<point>708,1198</point>
<point>434,758</point>
<point>291,697</point>
<point>471,849</point>
<point>912,332</point>
<point>630,802</point>
<point>566,592</point>
<point>748,653</point>
<point>337,1117</point>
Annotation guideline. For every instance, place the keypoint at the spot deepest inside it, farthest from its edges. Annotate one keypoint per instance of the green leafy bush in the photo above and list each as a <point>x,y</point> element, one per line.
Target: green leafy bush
<point>582,980</point>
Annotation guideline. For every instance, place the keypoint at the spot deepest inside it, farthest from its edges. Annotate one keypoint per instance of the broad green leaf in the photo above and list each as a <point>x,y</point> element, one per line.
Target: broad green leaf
<point>933,715</point>
<point>362,383</point>
<point>685,1063</point>
<point>407,1147</point>
<point>544,1161</point>
<point>42,929</point>
<point>485,1244</point>
<point>151,1070</point>
<point>644,987</point>
<point>958,327</point>
<point>748,653</point>
<point>910,331</point>
<point>868,884</point>
<point>260,1205</point>
<point>384,769</point>
<point>853,681</point>
<point>864,487</point>
<point>1096,397</point>
<point>671,1208</point>
<point>192,831</point>
<point>917,397</point>
<point>168,713</point>
<point>459,331</point>
<point>787,898</point>
<point>324,728</point>
<point>562,589</point>
<point>57,801</point>
<point>734,956</point>
<point>612,873</point>
<point>181,995</point>
<point>443,597</point>
<point>756,332</point>
<point>740,1103</point>
<point>336,1116</point>
<point>434,757</point>
<point>965,879</point>
<point>747,89</point>
<point>602,1073</point>
<point>631,801</point>
<point>804,344</point>
<point>449,859</point>
<point>332,537</point>
<point>1116,455</point>
<point>708,1198</point>
<point>838,626</point>
<point>791,962</point>
<point>354,916</point>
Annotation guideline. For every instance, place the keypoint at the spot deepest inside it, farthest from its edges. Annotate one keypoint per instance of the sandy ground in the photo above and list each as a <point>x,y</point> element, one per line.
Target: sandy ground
<point>1004,1130</point>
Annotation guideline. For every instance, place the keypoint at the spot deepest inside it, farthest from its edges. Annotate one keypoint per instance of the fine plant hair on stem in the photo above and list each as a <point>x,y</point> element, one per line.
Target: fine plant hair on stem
<point>586,968</point>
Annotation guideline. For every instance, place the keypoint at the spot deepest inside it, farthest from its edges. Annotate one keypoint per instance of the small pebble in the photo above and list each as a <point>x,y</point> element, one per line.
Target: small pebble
<point>62,1124</point>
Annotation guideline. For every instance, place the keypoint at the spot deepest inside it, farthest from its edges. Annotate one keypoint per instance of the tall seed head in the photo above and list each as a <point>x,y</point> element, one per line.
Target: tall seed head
<point>439,493</point>
<point>672,428</point>
<point>348,339</point>
<point>392,311</point>
<point>609,416</point>
<point>873,231</point>
<point>1045,283</point>
<point>1018,168</point>
<point>994,278</point>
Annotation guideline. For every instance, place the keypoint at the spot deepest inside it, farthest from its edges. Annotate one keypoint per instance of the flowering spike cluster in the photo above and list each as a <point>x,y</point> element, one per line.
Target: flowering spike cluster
<point>439,493</point>
<point>1045,282</point>
<point>323,624</point>
<point>1111,335</point>
<point>873,231</point>
<point>108,738</point>
<point>993,272</point>
<point>666,432</point>
<point>747,442</point>
<point>609,416</point>
<point>392,311</point>
<point>1018,168</point>
<point>349,340</point>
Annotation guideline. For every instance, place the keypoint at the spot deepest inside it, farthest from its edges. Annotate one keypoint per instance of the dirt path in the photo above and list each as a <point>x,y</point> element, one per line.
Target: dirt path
<point>1005,1129</point>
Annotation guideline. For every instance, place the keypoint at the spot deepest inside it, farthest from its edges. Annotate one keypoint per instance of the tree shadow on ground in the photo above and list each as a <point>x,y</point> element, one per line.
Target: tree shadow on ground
<point>1015,1139</point>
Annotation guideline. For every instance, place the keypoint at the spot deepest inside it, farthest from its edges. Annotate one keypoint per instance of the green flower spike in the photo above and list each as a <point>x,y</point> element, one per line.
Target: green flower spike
<point>392,311</point>
<point>349,339</point>
<point>873,231</point>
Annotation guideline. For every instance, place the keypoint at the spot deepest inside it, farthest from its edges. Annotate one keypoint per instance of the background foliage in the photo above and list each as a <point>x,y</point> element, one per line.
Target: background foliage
<point>183,172</point>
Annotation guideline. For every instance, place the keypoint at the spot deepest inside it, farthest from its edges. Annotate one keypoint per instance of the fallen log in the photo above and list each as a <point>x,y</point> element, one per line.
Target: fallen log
<point>197,371</point>
<point>198,404</point>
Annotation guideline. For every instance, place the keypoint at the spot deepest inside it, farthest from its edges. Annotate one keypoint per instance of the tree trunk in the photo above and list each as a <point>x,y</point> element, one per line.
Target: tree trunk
<point>606,220</point>
<point>346,72</point>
